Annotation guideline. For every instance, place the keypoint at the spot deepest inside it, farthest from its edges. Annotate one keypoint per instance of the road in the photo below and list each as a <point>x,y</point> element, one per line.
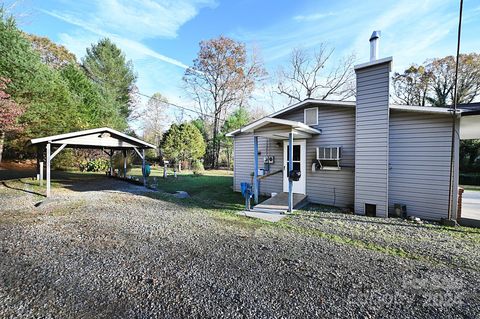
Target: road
<point>471,204</point>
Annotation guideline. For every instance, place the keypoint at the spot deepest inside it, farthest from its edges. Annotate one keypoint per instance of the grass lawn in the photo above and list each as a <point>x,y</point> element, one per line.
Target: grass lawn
<point>470,187</point>
<point>211,189</point>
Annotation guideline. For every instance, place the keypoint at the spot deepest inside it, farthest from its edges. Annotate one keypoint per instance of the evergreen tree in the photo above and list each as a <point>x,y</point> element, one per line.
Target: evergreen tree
<point>240,117</point>
<point>107,65</point>
<point>183,142</point>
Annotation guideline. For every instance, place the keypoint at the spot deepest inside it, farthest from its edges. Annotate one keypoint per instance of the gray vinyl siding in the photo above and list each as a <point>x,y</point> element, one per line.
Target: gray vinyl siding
<point>338,129</point>
<point>420,147</point>
<point>371,138</point>
<point>244,163</point>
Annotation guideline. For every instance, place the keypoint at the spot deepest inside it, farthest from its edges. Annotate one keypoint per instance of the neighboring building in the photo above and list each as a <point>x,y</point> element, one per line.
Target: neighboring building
<point>367,155</point>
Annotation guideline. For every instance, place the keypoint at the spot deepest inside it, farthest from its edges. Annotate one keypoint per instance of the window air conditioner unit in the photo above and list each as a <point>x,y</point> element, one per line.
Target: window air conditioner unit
<point>328,158</point>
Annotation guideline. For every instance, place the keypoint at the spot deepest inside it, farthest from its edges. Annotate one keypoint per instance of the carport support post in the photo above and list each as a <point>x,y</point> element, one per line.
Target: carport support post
<point>48,169</point>
<point>124,163</point>
<point>290,168</point>
<point>111,163</point>
<point>41,174</point>
<point>143,168</point>
<point>255,169</point>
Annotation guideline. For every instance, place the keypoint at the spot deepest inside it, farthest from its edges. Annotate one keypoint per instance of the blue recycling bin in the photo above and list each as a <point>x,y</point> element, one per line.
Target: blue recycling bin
<point>247,192</point>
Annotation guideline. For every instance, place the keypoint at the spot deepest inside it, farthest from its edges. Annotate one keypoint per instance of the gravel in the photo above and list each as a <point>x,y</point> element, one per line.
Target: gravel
<point>114,251</point>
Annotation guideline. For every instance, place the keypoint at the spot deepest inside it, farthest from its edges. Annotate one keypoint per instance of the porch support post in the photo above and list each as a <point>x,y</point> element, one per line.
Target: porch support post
<point>143,168</point>
<point>124,163</point>
<point>255,169</point>
<point>290,168</point>
<point>48,168</point>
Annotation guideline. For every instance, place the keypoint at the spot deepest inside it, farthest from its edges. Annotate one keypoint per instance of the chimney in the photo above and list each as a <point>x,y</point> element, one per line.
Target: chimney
<point>374,42</point>
<point>372,116</point>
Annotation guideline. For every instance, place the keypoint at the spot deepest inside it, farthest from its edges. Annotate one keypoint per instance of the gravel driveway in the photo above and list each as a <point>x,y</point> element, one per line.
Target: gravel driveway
<point>109,250</point>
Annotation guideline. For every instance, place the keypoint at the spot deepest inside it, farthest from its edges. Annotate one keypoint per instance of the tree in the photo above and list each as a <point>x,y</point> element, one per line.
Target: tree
<point>107,66</point>
<point>155,119</point>
<point>308,76</point>
<point>52,54</point>
<point>222,76</point>
<point>239,118</point>
<point>412,86</point>
<point>470,151</point>
<point>51,90</point>
<point>94,109</point>
<point>38,88</point>
<point>443,75</point>
<point>9,113</point>
<point>182,142</point>
<point>433,83</point>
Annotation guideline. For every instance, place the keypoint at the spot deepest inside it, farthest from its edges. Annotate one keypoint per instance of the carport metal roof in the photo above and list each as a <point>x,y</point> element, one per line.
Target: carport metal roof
<point>97,138</point>
<point>103,138</point>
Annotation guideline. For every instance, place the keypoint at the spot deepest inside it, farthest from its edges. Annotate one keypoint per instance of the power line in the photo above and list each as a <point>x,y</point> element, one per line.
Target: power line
<point>178,106</point>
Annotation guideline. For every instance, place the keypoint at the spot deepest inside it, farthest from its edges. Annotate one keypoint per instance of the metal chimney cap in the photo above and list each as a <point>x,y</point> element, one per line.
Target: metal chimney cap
<point>375,35</point>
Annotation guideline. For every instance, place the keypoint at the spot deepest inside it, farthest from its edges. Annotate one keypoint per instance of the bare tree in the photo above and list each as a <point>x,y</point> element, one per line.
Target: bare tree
<point>155,119</point>
<point>309,76</point>
<point>222,76</point>
<point>412,86</point>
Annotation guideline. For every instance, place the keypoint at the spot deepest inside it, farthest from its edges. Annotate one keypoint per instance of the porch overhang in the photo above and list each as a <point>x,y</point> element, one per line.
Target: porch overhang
<point>278,129</point>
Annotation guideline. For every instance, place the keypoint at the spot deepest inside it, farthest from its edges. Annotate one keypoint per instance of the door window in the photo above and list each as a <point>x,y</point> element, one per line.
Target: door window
<point>296,156</point>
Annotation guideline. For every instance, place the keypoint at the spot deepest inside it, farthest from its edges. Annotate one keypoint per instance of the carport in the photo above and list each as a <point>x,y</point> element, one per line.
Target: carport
<point>106,139</point>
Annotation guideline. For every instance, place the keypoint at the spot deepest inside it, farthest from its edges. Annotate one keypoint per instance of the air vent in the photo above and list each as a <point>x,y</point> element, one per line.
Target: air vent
<point>310,116</point>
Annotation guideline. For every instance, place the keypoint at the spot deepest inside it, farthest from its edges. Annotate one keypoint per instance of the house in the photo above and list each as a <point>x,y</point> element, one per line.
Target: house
<point>369,155</point>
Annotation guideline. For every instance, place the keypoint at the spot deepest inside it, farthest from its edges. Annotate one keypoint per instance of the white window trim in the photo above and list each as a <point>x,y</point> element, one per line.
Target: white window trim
<point>305,115</point>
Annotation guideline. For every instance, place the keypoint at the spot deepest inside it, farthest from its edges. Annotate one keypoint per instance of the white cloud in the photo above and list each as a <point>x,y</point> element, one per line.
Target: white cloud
<point>313,17</point>
<point>147,18</point>
<point>127,24</point>
<point>134,19</point>
<point>412,31</point>
<point>134,49</point>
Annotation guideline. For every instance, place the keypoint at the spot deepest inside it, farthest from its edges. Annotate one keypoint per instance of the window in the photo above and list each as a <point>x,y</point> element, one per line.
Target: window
<point>310,116</point>
<point>296,157</point>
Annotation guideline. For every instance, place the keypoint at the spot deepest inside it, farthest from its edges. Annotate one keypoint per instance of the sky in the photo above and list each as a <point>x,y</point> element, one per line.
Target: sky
<point>161,37</point>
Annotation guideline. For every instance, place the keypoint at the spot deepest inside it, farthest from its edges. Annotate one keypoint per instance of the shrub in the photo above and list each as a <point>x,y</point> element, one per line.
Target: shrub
<point>118,161</point>
<point>64,161</point>
<point>197,167</point>
<point>96,165</point>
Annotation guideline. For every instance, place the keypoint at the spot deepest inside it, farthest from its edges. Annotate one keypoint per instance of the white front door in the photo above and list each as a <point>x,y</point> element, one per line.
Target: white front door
<point>299,163</point>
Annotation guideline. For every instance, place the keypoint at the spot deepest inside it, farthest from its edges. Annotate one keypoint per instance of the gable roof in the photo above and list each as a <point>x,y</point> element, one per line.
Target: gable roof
<point>314,102</point>
<point>463,109</point>
<point>95,138</point>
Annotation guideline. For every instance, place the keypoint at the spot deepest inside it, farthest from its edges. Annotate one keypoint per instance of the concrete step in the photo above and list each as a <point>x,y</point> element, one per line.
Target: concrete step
<point>279,203</point>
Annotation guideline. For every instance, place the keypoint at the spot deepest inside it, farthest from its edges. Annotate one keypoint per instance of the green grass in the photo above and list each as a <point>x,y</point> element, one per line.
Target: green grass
<point>212,189</point>
<point>470,187</point>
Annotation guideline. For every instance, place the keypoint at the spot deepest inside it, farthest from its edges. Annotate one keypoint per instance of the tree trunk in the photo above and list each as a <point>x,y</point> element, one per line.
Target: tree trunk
<point>2,140</point>
<point>214,142</point>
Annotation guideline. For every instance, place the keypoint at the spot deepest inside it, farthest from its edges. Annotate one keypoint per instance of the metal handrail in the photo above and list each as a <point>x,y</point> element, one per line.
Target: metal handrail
<point>270,174</point>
